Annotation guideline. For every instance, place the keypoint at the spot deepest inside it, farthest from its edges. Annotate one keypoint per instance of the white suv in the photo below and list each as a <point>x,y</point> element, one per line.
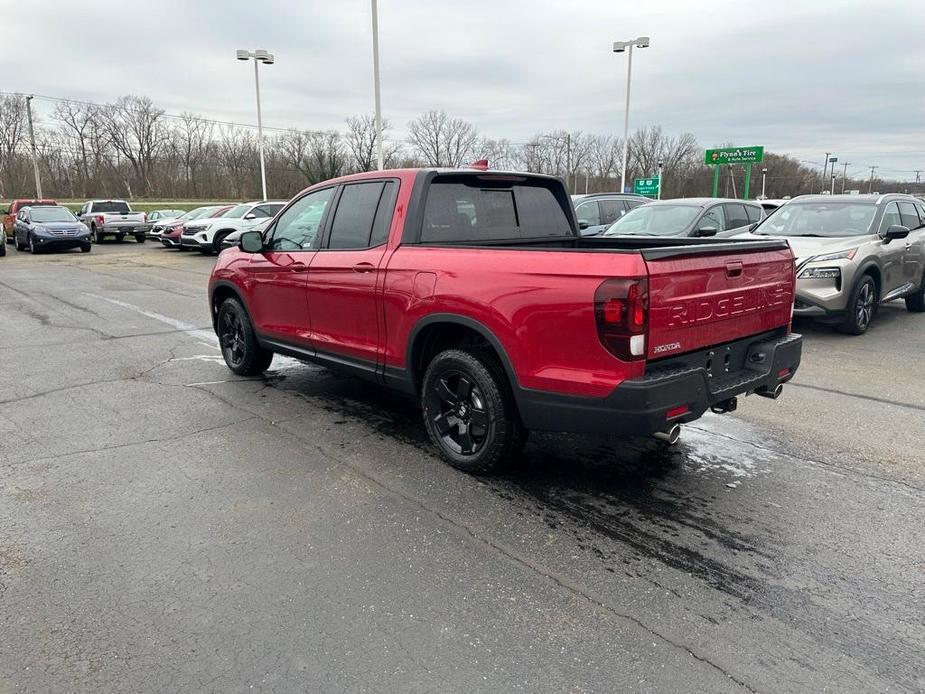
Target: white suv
<point>207,234</point>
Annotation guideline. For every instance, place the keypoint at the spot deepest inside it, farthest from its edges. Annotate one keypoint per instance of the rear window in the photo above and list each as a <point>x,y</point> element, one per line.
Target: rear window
<point>482,209</point>
<point>113,206</point>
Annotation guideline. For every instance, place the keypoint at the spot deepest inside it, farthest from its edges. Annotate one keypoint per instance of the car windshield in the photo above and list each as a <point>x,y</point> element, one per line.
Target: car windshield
<point>51,214</point>
<point>832,219</point>
<point>116,206</point>
<point>237,211</point>
<point>655,220</point>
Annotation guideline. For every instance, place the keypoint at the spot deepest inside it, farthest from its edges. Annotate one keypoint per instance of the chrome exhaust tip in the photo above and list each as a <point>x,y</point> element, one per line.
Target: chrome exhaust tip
<point>671,436</point>
<point>773,394</point>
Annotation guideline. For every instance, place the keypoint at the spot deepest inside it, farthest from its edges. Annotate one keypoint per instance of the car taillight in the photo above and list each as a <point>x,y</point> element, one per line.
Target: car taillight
<point>100,219</point>
<point>621,312</point>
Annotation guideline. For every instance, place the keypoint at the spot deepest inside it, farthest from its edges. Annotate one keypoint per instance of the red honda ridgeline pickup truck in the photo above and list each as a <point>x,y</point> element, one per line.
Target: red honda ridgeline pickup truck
<point>474,291</point>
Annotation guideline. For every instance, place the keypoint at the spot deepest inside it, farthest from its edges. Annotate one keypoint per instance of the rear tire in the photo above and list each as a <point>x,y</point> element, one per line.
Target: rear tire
<point>238,342</point>
<point>140,238</point>
<point>120,238</point>
<point>96,235</point>
<point>469,412</point>
<point>862,307</point>
<point>915,303</point>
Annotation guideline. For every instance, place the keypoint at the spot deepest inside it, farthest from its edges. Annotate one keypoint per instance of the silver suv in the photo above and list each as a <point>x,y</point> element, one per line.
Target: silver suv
<point>853,252</point>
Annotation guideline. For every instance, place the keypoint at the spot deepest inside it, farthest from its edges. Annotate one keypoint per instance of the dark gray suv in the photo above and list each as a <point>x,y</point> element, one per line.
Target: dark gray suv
<point>597,211</point>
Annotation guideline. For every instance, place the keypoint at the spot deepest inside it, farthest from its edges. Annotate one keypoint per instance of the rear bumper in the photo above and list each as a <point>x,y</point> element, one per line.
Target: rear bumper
<point>639,406</point>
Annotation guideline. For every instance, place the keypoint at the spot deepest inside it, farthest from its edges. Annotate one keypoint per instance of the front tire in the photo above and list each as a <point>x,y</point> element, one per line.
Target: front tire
<point>32,249</point>
<point>861,307</point>
<point>469,412</point>
<point>140,238</point>
<point>236,337</point>
<point>85,248</point>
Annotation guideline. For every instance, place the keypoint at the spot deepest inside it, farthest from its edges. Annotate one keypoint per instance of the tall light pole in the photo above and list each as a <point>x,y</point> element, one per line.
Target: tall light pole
<point>259,56</point>
<point>621,47</point>
<point>844,176</point>
<point>870,185</point>
<point>379,161</point>
<point>35,159</point>
<point>764,176</point>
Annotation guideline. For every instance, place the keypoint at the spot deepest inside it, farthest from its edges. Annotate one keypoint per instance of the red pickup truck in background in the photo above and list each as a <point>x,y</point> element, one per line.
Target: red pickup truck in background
<point>474,291</point>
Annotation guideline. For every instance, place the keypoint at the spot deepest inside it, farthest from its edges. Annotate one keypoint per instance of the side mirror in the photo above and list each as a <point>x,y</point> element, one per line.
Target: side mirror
<point>250,215</point>
<point>251,242</point>
<point>896,231</point>
<point>707,231</point>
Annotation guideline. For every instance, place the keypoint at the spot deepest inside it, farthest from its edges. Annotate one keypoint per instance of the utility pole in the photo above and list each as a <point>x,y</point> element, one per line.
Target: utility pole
<point>35,159</point>
<point>844,177</point>
<point>825,167</point>
<point>870,186</point>
<point>764,175</point>
<point>568,161</point>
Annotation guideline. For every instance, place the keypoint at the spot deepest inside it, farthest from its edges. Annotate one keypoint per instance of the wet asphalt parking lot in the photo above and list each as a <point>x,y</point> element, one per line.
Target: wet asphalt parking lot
<point>167,526</point>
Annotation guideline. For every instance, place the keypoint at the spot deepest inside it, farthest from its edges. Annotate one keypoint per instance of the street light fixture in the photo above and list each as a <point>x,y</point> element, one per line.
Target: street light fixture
<point>259,56</point>
<point>627,47</point>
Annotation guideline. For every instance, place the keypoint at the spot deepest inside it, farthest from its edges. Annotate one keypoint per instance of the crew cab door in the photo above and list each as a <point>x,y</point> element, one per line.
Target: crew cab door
<point>278,276</point>
<point>914,243</point>
<point>344,279</point>
<point>892,253</point>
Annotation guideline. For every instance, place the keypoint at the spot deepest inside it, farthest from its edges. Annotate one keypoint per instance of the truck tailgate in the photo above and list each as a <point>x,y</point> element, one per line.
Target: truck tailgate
<point>703,296</point>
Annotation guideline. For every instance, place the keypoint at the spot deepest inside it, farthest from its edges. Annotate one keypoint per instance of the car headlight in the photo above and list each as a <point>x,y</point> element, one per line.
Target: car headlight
<point>837,255</point>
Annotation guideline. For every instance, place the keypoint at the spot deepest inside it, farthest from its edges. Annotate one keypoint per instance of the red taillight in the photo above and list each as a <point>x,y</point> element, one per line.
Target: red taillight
<point>145,216</point>
<point>677,411</point>
<point>621,309</point>
<point>100,219</point>
<point>783,373</point>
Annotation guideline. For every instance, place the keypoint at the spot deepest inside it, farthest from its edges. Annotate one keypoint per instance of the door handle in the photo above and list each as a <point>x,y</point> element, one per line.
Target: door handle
<point>733,269</point>
<point>364,267</point>
<point>298,267</point>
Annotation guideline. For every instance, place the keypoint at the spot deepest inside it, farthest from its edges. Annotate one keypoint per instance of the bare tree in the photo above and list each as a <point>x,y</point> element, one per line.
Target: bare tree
<point>192,140</point>
<point>360,141</point>
<point>440,140</point>
<point>137,131</point>
<point>499,153</point>
<point>12,136</point>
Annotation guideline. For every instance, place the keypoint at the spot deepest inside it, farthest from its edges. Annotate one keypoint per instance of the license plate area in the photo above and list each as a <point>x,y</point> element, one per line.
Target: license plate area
<point>719,361</point>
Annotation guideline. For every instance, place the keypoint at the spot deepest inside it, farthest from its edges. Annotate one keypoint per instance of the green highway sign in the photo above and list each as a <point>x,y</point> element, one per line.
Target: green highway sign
<point>734,155</point>
<point>646,186</point>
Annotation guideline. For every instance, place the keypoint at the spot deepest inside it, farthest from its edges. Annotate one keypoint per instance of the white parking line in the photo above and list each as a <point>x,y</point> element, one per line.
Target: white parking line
<point>205,337</point>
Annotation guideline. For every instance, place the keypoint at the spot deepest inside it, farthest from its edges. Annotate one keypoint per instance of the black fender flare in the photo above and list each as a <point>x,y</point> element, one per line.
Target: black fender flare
<point>466,322</point>
<point>235,289</point>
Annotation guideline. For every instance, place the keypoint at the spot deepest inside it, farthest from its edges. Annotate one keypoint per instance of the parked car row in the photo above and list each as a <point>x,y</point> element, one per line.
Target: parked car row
<point>853,252</point>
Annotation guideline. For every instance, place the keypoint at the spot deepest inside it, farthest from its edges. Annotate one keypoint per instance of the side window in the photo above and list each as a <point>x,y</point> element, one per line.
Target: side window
<point>298,226</point>
<point>611,211</point>
<point>890,217</point>
<point>354,216</point>
<point>908,215</point>
<point>384,214</point>
<point>736,216</point>
<point>268,210</point>
<point>754,213</point>
<point>589,213</point>
<point>633,204</point>
<point>713,217</point>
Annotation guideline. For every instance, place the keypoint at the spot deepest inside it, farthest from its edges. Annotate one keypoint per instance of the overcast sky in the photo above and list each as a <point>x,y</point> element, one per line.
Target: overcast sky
<point>798,77</point>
